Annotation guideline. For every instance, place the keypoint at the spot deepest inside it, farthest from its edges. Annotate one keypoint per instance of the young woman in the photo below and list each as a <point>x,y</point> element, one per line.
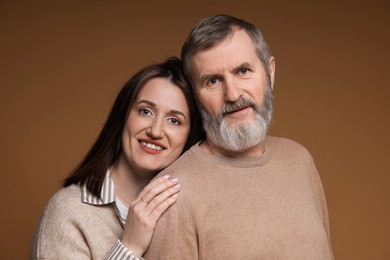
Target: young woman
<point>107,208</point>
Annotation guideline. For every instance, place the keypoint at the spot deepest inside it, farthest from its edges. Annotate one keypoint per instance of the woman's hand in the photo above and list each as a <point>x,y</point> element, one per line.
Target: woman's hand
<point>145,211</point>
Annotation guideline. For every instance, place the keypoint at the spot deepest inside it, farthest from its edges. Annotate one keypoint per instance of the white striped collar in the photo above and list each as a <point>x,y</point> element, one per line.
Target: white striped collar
<point>107,193</point>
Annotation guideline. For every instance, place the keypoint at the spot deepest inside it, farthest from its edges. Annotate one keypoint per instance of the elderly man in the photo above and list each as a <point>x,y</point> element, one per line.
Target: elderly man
<point>245,195</point>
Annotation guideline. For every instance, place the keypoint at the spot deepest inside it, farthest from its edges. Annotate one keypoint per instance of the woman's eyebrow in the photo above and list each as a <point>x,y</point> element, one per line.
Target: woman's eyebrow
<point>172,111</point>
<point>177,112</point>
<point>146,102</point>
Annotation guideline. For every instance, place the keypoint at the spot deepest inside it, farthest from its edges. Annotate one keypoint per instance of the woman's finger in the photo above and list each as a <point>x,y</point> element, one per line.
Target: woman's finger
<point>160,199</point>
<point>152,184</point>
<point>157,189</point>
<point>162,207</point>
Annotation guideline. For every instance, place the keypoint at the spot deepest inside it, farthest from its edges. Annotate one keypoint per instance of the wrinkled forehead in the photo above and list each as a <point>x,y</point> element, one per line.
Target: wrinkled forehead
<point>227,54</point>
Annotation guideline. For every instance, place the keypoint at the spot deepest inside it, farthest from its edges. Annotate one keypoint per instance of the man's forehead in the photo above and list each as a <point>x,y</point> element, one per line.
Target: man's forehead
<point>214,64</point>
<point>227,54</point>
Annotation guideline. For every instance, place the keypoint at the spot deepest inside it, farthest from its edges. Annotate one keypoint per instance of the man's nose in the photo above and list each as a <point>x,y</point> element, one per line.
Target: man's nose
<point>156,129</point>
<point>232,90</point>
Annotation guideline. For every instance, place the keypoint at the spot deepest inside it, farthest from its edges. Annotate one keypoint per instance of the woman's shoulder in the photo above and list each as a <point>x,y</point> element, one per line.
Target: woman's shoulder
<point>64,202</point>
<point>57,216</point>
<point>67,221</point>
<point>70,195</point>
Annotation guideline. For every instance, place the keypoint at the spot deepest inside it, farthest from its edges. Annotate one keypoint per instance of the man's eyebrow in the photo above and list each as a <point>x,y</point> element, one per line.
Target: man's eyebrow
<point>241,66</point>
<point>172,111</point>
<point>206,77</point>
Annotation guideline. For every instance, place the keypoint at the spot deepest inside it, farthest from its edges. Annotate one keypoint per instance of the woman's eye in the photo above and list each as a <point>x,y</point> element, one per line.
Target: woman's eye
<point>174,121</point>
<point>144,111</point>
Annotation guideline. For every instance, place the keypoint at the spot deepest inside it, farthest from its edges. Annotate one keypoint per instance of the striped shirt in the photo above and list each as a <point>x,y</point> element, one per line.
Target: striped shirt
<point>119,251</point>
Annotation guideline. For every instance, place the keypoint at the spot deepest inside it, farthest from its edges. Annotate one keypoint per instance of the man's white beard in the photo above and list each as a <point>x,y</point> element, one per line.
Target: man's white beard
<point>245,135</point>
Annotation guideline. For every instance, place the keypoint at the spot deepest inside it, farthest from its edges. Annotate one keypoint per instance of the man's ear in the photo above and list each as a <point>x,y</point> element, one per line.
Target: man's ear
<point>271,63</point>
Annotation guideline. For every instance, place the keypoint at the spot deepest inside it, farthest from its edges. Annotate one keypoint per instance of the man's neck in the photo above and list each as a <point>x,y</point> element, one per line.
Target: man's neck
<point>254,151</point>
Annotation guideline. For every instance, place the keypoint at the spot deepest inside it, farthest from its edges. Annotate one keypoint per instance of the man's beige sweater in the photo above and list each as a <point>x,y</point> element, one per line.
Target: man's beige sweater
<point>268,207</point>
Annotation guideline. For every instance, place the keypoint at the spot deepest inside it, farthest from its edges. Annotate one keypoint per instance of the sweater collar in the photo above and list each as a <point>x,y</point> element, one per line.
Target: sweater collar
<point>256,161</point>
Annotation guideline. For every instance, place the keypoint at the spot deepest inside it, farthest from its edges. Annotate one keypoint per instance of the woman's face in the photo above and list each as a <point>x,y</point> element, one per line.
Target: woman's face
<point>157,126</point>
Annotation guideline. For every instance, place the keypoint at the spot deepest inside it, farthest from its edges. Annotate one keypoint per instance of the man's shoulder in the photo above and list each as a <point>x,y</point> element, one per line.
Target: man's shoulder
<point>286,145</point>
<point>281,140</point>
<point>185,162</point>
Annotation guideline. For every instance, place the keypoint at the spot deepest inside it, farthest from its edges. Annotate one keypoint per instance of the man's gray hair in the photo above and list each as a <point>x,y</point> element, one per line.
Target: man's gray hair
<point>214,29</point>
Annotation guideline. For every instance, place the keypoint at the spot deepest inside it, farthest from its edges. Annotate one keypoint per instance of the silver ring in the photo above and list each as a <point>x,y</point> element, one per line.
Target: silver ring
<point>144,200</point>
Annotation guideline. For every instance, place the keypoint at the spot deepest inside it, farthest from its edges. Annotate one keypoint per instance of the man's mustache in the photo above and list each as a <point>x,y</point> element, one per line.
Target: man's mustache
<point>237,105</point>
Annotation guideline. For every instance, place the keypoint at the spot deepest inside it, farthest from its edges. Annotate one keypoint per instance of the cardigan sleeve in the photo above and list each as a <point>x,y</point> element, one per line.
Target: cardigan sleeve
<point>71,229</point>
<point>58,235</point>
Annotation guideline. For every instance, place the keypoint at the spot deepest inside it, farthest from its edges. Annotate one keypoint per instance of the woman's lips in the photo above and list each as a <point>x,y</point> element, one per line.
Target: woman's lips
<point>151,147</point>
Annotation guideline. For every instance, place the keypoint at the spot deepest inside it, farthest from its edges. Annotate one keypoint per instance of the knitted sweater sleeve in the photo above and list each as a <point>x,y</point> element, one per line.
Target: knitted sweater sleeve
<point>321,200</point>
<point>174,236</point>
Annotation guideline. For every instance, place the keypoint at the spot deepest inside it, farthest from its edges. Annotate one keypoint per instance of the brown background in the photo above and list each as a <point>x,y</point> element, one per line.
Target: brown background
<point>62,64</point>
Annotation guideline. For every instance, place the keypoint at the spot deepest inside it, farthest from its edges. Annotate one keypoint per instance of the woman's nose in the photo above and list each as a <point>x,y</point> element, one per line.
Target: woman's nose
<point>156,129</point>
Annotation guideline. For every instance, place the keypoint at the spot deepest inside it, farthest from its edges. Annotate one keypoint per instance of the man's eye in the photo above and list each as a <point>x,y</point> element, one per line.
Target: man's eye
<point>213,81</point>
<point>174,121</point>
<point>244,71</point>
<point>144,111</point>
